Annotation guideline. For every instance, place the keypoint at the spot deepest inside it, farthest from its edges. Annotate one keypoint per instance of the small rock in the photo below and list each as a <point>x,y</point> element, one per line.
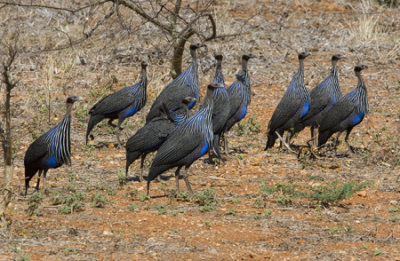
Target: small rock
<point>212,251</point>
<point>107,231</point>
<point>362,193</point>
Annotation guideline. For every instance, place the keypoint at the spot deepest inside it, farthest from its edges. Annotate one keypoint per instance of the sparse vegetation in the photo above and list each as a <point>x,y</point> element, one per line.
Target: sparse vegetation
<point>33,204</point>
<point>249,127</point>
<point>98,200</point>
<point>161,208</point>
<point>122,177</point>
<point>230,212</point>
<point>206,199</point>
<point>394,218</point>
<point>324,194</point>
<point>70,202</point>
<point>25,258</point>
<point>143,197</point>
<point>267,212</point>
<point>133,207</point>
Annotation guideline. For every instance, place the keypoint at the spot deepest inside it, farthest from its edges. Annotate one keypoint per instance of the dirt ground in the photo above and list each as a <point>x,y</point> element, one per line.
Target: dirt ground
<point>255,209</point>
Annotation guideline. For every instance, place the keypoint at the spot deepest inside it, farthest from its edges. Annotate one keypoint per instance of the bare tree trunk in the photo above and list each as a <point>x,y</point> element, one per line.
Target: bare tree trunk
<point>179,47</point>
<point>6,189</point>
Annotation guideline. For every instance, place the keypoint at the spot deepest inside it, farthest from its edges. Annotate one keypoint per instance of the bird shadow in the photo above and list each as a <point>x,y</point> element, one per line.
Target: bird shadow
<point>103,144</point>
<point>162,178</point>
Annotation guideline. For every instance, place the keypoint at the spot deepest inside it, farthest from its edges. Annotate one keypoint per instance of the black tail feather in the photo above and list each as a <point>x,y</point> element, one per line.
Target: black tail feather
<point>323,137</point>
<point>92,122</point>
<point>271,140</point>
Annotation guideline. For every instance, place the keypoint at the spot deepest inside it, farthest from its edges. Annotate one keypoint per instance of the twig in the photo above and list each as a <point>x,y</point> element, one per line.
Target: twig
<point>286,145</point>
<point>310,148</point>
<point>5,3</point>
<point>78,41</point>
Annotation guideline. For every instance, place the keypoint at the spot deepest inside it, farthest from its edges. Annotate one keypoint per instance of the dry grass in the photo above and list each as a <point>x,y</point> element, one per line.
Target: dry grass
<point>373,29</point>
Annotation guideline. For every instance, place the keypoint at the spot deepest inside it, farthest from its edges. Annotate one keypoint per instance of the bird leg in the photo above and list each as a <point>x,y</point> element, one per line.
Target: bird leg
<point>111,124</point>
<point>337,143</point>
<point>46,189</point>
<point>186,178</point>
<point>313,135</point>
<point>141,167</point>
<point>118,131</point>
<point>284,143</point>
<point>38,180</point>
<point>346,139</point>
<point>177,179</point>
<point>226,145</point>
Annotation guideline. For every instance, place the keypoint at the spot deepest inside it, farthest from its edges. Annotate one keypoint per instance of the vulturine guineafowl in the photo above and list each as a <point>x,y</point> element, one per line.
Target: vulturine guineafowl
<point>347,113</point>
<point>293,106</point>
<point>326,94</point>
<point>185,85</point>
<point>221,105</point>
<point>188,142</point>
<point>120,105</point>
<point>51,150</point>
<point>150,137</point>
<point>239,97</point>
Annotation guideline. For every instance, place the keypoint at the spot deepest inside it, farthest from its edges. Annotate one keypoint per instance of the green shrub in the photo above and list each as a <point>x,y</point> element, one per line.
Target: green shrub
<point>98,200</point>
<point>33,204</point>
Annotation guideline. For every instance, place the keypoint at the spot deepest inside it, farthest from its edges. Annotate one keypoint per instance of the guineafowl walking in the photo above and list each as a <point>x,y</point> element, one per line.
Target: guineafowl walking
<point>239,97</point>
<point>185,85</point>
<point>188,142</point>
<point>326,94</point>
<point>119,105</point>
<point>150,137</point>
<point>347,113</point>
<point>221,105</point>
<point>293,106</point>
<point>51,150</point>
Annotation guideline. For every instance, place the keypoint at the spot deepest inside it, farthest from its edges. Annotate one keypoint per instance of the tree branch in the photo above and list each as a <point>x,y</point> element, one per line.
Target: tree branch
<point>214,28</point>
<point>5,3</point>
<point>85,37</point>
<point>146,16</point>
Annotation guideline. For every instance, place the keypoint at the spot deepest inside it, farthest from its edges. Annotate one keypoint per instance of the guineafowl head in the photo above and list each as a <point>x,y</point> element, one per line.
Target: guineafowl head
<point>218,56</point>
<point>144,64</point>
<point>188,100</point>
<point>303,55</point>
<point>196,46</point>
<point>215,85</point>
<point>337,57</point>
<point>360,67</point>
<point>73,98</point>
<point>247,56</point>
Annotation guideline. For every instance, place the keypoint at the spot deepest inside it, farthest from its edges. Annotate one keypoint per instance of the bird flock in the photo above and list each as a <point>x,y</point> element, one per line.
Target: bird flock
<point>181,138</point>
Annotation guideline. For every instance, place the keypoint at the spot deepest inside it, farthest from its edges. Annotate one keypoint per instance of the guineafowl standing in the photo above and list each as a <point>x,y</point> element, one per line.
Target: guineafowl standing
<point>51,150</point>
<point>239,97</point>
<point>150,137</point>
<point>326,94</point>
<point>221,106</point>
<point>293,106</point>
<point>119,105</point>
<point>188,142</point>
<point>347,113</point>
<point>185,85</point>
